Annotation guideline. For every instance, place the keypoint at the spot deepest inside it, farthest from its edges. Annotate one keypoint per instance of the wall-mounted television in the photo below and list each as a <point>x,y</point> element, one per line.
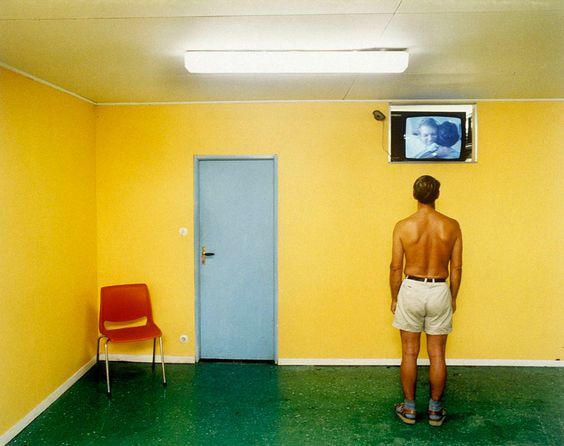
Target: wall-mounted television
<point>432,133</point>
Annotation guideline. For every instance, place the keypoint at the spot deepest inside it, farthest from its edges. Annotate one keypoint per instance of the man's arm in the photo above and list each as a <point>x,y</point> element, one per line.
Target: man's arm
<point>396,267</point>
<point>456,268</point>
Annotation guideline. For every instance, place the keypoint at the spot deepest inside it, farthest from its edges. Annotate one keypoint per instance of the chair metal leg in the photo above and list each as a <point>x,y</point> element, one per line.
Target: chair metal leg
<point>154,342</point>
<point>162,360</point>
<point>107,367</point>
<point>98,349</point>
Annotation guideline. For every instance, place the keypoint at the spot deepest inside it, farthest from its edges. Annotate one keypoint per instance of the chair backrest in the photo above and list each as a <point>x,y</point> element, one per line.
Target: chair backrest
<point>123,303</point>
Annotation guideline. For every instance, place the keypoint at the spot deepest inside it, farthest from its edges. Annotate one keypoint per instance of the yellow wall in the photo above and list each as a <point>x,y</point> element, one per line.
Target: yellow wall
<point>48,244</point>
<point>338,201</point>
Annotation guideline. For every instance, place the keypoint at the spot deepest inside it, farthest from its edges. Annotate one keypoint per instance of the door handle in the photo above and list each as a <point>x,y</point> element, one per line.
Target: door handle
<point>205,255</point>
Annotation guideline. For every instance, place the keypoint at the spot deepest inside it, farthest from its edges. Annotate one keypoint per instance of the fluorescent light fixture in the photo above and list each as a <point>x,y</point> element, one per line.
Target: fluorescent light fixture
<point>342,61</point>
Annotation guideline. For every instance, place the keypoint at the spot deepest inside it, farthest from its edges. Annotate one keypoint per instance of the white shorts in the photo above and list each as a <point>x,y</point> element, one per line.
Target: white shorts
<point>424,306</point>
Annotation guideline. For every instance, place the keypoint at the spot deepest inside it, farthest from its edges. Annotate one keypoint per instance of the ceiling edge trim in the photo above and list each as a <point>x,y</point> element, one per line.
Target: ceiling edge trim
<point>44,82</point>
<point>336,101</point>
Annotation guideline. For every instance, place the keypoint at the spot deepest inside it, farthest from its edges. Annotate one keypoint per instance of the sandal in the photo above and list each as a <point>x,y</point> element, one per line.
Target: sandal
<point>438,417</point>
<point>402,411</point>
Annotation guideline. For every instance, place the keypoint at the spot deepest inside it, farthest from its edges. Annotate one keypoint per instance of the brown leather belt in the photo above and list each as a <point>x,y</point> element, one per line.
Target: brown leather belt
<point>426,279</point>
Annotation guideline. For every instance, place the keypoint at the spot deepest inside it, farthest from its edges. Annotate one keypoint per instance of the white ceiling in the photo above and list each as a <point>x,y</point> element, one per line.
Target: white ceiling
<point>122,51</point>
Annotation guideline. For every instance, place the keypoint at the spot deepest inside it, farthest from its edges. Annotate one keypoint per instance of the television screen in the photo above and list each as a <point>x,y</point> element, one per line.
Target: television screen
<point>431,133</point>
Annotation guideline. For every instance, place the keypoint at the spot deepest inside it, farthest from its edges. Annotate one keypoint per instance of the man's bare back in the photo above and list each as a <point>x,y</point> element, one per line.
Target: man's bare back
<point>428,239</point>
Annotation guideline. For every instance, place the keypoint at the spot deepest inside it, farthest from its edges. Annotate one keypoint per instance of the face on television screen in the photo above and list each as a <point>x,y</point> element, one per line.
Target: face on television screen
<point>433,137</point>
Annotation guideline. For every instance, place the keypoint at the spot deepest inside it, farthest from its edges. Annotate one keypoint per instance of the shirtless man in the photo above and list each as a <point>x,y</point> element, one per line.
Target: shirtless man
<point>423,301</point>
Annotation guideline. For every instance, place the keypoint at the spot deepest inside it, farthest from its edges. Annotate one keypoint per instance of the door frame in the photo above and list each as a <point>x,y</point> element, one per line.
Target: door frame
<point>197,265</point>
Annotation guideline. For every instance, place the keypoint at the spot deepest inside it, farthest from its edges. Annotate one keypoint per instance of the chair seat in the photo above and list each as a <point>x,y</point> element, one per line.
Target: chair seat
<point>129,334</point>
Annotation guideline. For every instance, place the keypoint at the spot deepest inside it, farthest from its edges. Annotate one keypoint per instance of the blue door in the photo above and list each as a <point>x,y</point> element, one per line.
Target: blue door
<point>236,247</point>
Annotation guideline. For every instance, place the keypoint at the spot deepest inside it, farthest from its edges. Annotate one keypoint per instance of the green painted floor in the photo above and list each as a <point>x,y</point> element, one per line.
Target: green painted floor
<point>261,404</point>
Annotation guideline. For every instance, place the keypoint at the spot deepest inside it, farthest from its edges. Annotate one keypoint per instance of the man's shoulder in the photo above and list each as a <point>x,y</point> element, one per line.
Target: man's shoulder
<point>405,221</point>
<point>449,220</point>
<point>406,226</point>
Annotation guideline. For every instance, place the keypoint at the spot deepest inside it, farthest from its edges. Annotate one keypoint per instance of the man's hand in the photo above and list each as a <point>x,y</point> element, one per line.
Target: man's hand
<point>394,305</point>
<point>453,306</point>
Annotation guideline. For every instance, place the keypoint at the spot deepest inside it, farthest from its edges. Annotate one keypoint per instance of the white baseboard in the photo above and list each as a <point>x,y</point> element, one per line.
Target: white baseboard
<point>37,410</point>
<point>149,358</point>
<point>396,362</point>
<point>336,361</point>
<point>505,362</point>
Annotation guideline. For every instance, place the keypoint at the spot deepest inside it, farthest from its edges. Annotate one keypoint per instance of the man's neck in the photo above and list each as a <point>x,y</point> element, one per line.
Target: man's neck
<point>425,207</point>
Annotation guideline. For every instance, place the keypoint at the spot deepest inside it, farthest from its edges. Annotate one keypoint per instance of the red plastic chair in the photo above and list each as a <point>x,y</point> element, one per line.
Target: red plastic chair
<point>123,304</point>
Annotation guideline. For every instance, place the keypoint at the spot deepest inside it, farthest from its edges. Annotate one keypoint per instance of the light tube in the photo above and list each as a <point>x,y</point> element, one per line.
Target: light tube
<point>270,62</point>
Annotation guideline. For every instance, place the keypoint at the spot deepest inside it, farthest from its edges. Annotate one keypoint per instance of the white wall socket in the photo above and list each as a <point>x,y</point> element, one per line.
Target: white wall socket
<point>183,339</point>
